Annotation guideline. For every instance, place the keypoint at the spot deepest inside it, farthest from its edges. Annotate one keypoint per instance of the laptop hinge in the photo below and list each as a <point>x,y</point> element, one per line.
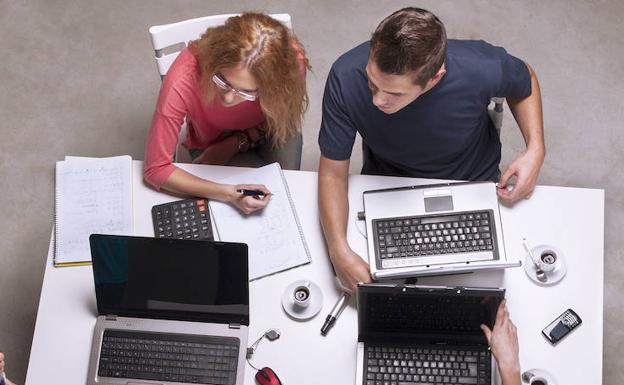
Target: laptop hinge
<point>111,317</point>
<point>234,325</point>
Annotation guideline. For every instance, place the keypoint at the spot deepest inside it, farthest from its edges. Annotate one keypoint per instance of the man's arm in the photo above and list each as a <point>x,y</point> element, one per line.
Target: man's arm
<point>334,208</point>
<point>526,167</point>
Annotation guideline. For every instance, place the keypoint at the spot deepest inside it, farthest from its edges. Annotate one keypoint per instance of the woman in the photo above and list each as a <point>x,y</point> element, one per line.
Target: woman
<point>241,88</point>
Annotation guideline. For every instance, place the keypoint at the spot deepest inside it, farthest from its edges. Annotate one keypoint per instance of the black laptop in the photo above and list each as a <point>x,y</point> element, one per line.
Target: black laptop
<point>170,311</point>
<point>425,334</point>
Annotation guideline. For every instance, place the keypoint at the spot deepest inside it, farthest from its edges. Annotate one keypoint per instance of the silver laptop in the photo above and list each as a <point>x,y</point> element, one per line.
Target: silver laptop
<point>434,229</point>
<point>170,311</point>
<point>425,334</point>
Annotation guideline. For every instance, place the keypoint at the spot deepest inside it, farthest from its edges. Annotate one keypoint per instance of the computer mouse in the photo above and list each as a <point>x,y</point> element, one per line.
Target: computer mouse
<point>266,376</point>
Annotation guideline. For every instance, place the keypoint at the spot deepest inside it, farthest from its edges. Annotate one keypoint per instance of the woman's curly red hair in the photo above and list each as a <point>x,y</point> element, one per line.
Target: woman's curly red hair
<point>272,54</point>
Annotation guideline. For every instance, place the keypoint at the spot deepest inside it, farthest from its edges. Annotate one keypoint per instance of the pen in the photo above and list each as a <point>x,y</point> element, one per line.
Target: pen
<point>335,313</point>
<point>251,192</point>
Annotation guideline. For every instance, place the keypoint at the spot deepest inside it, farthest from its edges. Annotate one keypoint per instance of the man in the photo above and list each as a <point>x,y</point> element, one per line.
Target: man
<point>420,104</point>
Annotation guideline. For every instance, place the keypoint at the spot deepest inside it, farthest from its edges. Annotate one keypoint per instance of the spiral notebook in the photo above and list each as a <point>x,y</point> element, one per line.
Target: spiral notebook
<point>93,195</point>
<point>274,234</point>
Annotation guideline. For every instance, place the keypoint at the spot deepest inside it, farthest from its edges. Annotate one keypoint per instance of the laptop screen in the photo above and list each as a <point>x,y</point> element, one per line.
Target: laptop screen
<point>427,312</point>
<point>171,279</point>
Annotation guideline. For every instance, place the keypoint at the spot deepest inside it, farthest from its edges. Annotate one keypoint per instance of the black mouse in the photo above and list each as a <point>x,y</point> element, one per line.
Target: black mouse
<point>266,376</point>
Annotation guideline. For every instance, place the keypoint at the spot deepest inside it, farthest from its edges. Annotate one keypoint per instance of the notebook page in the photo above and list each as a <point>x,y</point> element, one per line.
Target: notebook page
<point>274,235</point>
<point>93,195</point>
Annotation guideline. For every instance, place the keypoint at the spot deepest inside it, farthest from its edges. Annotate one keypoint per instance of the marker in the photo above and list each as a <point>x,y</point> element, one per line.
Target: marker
<point>335,313</point>
<point>255,193</point>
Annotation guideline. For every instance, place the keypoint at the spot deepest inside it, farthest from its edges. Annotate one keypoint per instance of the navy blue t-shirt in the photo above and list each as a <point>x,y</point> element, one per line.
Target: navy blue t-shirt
<point>444,133</point>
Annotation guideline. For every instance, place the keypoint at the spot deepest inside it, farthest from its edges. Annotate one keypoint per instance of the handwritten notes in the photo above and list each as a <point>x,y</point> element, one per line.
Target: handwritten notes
<point>274,235</point>
<point>93,195</point>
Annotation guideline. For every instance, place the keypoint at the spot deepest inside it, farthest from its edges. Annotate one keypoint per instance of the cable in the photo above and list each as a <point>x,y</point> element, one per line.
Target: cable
<point>271,335</point>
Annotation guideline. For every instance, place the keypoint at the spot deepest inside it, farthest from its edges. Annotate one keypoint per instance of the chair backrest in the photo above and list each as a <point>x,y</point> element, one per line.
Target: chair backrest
<point>496,113</point>
<point>176,36</point>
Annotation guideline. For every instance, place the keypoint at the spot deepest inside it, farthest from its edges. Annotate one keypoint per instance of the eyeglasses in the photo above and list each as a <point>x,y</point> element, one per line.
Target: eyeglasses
<point>223,85</point>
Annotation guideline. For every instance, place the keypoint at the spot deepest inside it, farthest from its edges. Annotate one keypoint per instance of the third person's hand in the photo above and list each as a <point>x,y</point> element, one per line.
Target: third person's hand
<point>503,340</point>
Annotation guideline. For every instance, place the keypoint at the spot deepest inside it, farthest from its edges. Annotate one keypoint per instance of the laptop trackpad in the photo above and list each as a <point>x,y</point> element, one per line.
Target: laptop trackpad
<point>439,203</point>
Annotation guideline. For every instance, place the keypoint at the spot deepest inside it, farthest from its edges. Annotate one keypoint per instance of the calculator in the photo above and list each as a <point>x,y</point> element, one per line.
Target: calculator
<point>183,219</point>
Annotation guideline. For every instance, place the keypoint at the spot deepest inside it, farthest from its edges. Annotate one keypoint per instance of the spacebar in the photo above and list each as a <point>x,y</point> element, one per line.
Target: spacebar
<point>416,383</point>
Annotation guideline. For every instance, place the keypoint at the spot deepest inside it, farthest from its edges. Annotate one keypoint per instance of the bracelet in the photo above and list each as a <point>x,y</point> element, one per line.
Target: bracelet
<point>243,141</point>
<point>261,140</point>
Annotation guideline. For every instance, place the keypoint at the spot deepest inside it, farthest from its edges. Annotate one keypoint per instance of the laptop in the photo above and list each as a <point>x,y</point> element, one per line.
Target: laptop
<point>170,311</point>
<point>434,230</point>
<point>425,334</point>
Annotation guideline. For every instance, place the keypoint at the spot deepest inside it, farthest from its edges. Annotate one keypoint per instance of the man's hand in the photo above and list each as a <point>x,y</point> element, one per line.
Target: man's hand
<point>248,204</point>
<point>351,269</point>
<point>503,341</point>
<point>525,168</point>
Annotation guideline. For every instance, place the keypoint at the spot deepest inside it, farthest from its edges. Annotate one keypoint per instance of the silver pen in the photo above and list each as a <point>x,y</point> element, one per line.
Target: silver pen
<point>335,313</point>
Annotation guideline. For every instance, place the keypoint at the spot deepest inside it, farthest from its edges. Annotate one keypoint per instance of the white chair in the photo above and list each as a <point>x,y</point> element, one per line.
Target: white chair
<point>169,39</point>
<point>496,113</point>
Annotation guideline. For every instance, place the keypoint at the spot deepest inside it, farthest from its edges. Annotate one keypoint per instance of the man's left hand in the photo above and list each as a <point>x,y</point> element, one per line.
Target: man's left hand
<point>525,168</point>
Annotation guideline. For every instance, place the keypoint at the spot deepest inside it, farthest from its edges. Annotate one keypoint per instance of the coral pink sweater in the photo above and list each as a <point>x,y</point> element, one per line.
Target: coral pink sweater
<point>181,96</point>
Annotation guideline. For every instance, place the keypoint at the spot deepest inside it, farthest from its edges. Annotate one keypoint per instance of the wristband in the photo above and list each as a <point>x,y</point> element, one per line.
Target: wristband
<point>243,141</point>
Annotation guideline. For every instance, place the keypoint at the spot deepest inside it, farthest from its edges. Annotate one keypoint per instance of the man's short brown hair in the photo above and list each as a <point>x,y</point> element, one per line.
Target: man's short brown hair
<point>410,40</point>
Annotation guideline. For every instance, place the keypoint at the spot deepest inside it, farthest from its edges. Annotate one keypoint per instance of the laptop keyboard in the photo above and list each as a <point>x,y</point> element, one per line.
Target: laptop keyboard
<point>418,236</point>
<point>424,365</point>
<point>166,357</point>
<point>442,314</point>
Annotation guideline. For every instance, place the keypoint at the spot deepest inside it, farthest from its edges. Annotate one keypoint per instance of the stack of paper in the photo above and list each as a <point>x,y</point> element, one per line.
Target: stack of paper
<point>93,195</point>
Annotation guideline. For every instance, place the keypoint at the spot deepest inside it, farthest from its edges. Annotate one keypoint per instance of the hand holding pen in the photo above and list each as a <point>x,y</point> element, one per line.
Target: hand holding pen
<point>250,197</point>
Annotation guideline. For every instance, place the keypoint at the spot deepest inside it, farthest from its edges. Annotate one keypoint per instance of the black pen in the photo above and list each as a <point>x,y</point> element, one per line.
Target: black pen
<point>335,313</point>
<point>255,193</point>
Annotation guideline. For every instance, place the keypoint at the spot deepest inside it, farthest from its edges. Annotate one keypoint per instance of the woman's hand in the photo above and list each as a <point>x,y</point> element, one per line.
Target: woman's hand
<point>246,203</point>
<point>257,136</point>
<point>219,153</point>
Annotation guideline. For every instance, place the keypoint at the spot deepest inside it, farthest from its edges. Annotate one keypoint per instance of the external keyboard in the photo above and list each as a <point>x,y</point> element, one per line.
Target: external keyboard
<point>430,235</point>
<point>168,357</point>
<point>426,366</point>
<point>184,219</point>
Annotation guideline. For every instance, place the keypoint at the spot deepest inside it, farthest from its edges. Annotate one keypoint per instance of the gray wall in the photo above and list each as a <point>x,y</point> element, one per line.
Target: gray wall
<point>79,79</point>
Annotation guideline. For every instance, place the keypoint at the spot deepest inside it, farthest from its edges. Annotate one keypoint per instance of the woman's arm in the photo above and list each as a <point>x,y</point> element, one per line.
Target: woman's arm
<point>183,182</point>
<point>160,172</point>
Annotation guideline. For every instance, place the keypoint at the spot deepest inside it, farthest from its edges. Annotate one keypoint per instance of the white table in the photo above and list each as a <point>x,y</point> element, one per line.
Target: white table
<point>569,218</point>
